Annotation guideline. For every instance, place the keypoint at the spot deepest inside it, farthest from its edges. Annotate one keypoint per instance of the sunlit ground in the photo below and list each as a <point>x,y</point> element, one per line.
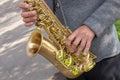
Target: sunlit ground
<point>14,63</point>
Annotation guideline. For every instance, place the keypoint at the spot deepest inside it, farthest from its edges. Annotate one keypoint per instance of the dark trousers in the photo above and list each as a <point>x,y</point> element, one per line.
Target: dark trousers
<point>107,69</point>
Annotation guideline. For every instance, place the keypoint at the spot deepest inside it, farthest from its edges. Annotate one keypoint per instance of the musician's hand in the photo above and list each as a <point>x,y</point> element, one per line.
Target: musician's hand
<point>81,38</point>
<point>29,17</point>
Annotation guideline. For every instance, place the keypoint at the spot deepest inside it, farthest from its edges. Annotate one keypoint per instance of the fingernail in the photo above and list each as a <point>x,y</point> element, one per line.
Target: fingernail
<point>71,50</point>
<point>33,12</point>
<point>31,23</point>
<point>26,6</point>
<point>85,53</point>
<point>77,54</point>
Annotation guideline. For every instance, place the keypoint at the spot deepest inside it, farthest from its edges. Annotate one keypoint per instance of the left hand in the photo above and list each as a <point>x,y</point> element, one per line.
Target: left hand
<point>80,40</point>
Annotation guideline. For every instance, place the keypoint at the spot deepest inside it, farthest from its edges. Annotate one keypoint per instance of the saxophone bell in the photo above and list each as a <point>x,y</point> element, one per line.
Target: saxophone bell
<point>34,43</point>
<point>37,44</point>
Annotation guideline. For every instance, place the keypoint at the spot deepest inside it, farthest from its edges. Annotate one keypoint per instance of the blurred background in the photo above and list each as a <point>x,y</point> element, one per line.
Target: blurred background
<point>117,24</point>
<point>14,63</point>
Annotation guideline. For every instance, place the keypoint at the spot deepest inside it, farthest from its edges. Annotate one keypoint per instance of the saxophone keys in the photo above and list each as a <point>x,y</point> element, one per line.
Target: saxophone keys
<point>36,8</point>
<point>41,16</point>
<point>48,22</point>
<point>52,29</point>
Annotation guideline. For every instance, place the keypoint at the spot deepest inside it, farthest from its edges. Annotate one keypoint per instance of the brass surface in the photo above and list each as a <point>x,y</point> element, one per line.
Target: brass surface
<point>54,48</point>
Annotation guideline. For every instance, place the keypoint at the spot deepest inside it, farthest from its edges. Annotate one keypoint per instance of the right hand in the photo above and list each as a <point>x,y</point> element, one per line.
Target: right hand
<point>29,17</point>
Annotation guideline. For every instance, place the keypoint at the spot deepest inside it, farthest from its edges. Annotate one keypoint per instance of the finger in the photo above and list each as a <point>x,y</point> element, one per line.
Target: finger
<point>23,5</point>
<point>24,10</point>
<point>88,44</point>
<point>29,24</point>
<point>28,14</point>
<point>70,39</point>
<point>81,47</point>
<point>75,44</point>
<point>31,19</point>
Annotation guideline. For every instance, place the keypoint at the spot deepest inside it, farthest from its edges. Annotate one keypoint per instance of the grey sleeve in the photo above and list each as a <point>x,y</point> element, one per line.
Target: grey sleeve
<point>104,16</point>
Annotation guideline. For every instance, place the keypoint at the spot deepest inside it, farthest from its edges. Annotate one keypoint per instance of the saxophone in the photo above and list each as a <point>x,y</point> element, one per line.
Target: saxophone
<point>54,48</point>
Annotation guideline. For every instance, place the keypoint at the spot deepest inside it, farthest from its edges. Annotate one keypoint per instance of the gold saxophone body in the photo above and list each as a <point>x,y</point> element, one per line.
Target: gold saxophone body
<point>54,48</point>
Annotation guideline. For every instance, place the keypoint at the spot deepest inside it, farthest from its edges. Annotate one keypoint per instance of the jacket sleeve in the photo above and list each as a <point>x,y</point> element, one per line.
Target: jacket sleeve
<point>104,16</point>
